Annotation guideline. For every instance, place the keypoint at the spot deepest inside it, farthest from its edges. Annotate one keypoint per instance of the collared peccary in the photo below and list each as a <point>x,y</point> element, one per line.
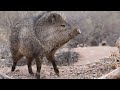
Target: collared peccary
<point>40,37</point>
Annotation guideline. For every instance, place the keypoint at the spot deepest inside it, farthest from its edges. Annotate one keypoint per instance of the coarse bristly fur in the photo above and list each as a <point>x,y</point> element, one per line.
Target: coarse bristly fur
<point>39,37</point>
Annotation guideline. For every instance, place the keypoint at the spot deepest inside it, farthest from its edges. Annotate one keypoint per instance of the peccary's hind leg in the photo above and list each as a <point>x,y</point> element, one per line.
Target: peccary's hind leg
<point>51,58</point>
<point>29,62</point>
<point>55,67</point>
<point>15,60</point>
<point>38,65</point>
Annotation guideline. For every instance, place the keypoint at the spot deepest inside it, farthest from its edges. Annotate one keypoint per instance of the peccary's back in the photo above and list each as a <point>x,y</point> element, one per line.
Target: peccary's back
<point>25,22</point>
<point>21,31</point>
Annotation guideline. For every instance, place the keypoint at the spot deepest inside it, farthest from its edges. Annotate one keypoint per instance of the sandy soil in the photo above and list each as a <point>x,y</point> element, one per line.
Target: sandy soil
<point>94,63</point>
<point>94,54</point>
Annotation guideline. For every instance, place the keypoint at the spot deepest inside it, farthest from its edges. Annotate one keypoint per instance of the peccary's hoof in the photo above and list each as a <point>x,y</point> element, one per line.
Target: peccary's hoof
<point>37,76</point>
<point>58,74</point>
<point>12,69</point>
<point>32,74</point>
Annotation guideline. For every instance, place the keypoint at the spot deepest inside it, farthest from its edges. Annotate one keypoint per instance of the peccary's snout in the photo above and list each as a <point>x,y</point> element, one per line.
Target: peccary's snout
<point>79,31</point>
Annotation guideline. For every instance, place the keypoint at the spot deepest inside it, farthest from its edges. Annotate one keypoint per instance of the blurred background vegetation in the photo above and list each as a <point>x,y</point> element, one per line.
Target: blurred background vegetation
<point>96,26</point>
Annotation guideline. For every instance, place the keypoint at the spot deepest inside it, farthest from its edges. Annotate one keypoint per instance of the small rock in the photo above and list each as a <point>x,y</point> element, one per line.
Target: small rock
<point>113,66</point>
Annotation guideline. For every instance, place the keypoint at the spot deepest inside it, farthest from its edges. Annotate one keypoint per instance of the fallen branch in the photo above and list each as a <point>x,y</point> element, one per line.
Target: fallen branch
<point>115,74</point>
<point>3,76</point>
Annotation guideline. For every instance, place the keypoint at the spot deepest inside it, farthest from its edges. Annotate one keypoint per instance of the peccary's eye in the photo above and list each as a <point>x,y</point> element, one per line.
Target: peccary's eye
<point>62,25</point>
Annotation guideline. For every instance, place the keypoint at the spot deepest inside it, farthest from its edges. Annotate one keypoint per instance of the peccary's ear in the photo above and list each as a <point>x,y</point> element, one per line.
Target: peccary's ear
<point>52,19</point>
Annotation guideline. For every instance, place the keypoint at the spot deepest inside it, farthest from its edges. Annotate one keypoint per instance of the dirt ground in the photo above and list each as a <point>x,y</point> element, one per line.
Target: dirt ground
<point>94,63</point>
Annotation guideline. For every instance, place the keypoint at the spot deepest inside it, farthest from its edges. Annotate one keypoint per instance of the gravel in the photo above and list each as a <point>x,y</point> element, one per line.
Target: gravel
<point>87,71</point>
<point>94,69</point>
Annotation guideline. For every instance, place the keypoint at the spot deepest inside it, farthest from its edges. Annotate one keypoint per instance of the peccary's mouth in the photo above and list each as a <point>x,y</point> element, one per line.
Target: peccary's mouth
<point>79,31</point>
<point>71,36</point>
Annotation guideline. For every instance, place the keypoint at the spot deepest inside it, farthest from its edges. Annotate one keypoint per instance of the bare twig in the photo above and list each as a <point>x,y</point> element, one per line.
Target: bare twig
<point>115,74</point>
<point>3,76</point>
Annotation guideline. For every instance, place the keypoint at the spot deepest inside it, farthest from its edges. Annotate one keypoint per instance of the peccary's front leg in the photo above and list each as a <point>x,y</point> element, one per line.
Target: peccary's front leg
<point>51,58</point>
<point>55,67</point>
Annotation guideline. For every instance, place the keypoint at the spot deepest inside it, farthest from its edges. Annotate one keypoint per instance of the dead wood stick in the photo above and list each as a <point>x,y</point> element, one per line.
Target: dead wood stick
<point>115,74</point>
<point>3,76</point>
